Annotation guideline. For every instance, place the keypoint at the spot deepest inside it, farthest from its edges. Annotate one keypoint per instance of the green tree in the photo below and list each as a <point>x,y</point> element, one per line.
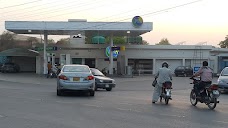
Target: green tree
<point>163,41</point>
<point>224,43</point>
<point>88,40</point>
<point>144,42</point>
<point>63,41</point>
<point>33,41</point>
<point>51,41</point>
<point>116,40</point>
<point>6,40</point>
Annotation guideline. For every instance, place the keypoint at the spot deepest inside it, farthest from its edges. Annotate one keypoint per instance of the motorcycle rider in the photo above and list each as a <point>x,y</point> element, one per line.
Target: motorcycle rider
<point>104,71</point>
<point>163,75</point>
<point>205,74</point>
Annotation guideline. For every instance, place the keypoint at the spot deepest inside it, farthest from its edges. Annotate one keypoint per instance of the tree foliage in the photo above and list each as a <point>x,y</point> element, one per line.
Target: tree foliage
<point>6,40</point>
<point>63,41</point>
<point>116,40</point>
<point>51,41</point>
<point>88,40</point>
<point>144,42</point>
<point>224,43</point>
<point>163,41</point>
<point>33,41</point>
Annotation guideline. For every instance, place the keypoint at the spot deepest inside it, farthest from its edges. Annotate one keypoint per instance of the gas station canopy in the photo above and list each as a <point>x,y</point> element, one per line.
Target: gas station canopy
<point>77,27</point>
<point>80,27</point>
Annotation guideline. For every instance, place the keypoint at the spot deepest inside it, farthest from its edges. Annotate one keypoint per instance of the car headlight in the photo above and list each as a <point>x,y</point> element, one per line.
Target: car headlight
<point>113,81</point>
<point>221,81</point>
<point>101,81</point>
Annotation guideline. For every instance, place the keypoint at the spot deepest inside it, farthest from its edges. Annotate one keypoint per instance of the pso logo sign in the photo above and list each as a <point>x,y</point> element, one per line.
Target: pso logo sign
<point>137,21</point>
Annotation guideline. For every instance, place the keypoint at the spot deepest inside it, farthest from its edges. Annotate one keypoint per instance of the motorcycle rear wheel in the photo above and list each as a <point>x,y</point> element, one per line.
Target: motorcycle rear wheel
<point>193,98</point>
<point>213,103</point>
<point>166,100</point>
<point>160,98</point>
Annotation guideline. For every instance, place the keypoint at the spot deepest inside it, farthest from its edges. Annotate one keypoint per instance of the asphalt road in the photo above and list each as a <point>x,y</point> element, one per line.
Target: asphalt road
<point>27,105</point>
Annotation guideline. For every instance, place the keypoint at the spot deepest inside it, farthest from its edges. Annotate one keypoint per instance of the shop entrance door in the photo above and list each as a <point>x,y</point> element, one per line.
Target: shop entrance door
<point>90,62</point>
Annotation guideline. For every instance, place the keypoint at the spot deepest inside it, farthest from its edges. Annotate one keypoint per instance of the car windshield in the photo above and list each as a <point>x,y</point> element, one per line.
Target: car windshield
<point>96,72</point>
<point>76,69</point>
<point>225,72</point>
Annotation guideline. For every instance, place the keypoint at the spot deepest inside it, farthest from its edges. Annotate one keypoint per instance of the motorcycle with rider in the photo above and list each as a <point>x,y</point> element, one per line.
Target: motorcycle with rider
<point>203,90</point>
<point>54,71</point>
<point>163,87</point>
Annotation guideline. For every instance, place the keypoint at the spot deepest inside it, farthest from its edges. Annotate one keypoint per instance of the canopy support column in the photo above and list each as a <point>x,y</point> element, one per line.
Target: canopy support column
<point>111,56</point>
<point>45,52</point>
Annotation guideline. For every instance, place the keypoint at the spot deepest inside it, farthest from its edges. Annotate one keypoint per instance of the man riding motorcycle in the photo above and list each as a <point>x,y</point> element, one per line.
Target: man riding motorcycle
<point>205,74</point>
<point>163,75</point>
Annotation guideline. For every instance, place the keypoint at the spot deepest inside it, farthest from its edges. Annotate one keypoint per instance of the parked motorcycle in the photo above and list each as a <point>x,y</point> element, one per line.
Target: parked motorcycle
<point>209,95</point>
<point>166,92</point>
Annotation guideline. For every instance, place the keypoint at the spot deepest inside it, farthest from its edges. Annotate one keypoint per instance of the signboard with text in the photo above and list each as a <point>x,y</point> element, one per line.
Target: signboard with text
<point>52,48</point>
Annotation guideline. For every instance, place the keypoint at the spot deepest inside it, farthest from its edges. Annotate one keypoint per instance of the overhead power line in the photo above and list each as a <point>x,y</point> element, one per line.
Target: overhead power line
<point>36,12</point>
<point>159,11</point>
<point>178,6</point>
<point>61,9</point>
<point>89,8</point>
<point>25,8</point>
<point>21,4</point>
<point>146,14</point>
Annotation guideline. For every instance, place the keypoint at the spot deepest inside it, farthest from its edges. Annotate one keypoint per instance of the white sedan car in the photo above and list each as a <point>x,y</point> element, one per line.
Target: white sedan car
<point>75,78</point>
<point>223,80</point>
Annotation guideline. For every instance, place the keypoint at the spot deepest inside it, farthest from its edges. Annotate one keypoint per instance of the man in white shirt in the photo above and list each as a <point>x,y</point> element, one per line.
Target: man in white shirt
<point>163,75</point>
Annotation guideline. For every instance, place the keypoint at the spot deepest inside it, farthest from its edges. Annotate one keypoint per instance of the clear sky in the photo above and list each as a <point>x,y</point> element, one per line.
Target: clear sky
<point>189,21</point>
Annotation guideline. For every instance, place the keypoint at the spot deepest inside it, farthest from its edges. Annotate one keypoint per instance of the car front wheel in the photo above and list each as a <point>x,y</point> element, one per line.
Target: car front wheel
<point>59,92</point>
<point>109,89</point>
<point>92,93</point>
<point>95,88</point>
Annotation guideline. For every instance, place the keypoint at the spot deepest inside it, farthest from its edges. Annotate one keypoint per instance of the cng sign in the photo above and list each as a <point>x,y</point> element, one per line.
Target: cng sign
<point>114,52</point>
<point>196,69</point>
